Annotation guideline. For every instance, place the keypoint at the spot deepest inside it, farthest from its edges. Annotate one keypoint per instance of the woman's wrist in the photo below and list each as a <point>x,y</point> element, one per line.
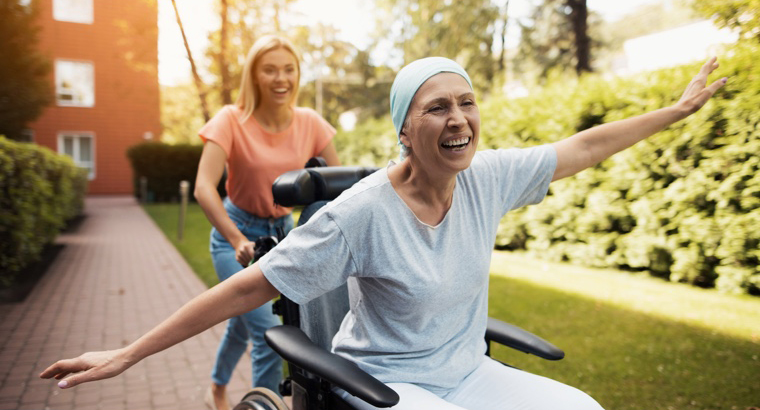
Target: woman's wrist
<point>129,355</point>
<point>238,240</point>
<point>679,111</point>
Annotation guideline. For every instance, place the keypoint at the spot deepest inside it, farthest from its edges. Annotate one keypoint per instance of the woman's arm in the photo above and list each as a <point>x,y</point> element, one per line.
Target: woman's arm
<point>330,155</point>
<point>210,170</point>
<point>592,146</point>
<point>240,293</point>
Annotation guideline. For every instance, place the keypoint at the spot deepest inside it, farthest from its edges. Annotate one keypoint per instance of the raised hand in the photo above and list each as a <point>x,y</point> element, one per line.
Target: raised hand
<point>697,93</point>
<point>87,368</point>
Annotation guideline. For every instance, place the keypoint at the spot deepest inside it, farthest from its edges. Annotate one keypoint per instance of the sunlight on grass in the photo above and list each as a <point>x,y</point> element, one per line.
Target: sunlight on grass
<point>628,359</point>
<point>735,315</point>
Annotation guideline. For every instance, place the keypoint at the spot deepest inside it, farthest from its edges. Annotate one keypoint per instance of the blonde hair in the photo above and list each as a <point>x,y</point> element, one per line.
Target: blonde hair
<point>249,96</point>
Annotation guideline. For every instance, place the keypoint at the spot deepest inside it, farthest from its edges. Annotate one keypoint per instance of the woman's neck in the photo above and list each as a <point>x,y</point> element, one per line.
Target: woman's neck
<point>274,119</point>
<point>428,196</point>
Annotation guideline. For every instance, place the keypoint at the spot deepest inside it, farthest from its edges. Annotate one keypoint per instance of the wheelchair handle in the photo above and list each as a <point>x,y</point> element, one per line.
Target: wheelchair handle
<point>306,186</point>
<point>294,346</point>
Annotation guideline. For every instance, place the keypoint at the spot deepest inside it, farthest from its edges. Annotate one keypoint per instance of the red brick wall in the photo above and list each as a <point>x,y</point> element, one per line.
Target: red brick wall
<point>122,45</point>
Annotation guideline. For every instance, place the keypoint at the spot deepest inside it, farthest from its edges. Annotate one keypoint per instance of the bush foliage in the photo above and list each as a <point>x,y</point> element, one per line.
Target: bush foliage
<point>39,192</point>
<point>683,204</point>
<point>164,166</point>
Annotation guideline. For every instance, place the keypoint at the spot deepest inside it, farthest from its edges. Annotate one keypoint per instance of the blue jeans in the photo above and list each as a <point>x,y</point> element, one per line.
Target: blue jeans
<point>267,366</point>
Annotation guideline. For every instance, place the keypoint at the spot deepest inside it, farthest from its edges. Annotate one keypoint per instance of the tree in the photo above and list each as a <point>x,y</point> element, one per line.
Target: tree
<point>337,73</point>
<point>742,15</point>
<point>344,78</point>
<point>556,36</point>
<point>181,114</point>
<point>224,71</point>
<point>579,18</point>
<point>25,88</point>
<point>462,30</point>
<point>242,23</point>
<point>198,83</point>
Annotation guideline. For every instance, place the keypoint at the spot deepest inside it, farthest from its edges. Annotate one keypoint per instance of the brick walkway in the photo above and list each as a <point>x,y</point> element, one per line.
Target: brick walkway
<point>116,277</point>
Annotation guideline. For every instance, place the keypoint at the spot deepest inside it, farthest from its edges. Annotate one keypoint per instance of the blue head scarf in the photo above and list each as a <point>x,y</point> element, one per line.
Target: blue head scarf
<point>409,80</point>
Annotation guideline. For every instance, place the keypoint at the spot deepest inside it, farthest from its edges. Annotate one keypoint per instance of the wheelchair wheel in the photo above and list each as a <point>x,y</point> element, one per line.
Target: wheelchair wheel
<point>261,399</point>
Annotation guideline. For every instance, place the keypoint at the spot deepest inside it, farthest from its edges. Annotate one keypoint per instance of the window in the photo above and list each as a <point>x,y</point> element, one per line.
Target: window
<point>73,11</point>
<point>27,135</point>
<point>80,146</point>
<point>74,83</point>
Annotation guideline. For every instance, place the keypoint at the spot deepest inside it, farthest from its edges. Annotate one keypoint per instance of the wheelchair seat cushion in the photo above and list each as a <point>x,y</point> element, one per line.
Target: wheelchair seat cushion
<point>418,294</point>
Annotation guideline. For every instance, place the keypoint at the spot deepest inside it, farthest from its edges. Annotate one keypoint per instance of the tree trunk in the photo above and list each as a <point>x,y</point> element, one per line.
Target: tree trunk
<point>502,53</point>
<point>196,77</point>
<point>579,17</point>
<point>223,68</point>
<point>277,26</point>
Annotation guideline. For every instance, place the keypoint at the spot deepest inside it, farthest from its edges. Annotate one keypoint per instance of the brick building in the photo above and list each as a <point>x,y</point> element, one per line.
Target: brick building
<point>105,75</point>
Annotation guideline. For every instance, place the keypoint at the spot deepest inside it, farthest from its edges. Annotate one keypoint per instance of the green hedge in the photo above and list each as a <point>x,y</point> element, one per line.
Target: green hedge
<point>39,192</point>
<point>683,205</point>
<point>164,166</point>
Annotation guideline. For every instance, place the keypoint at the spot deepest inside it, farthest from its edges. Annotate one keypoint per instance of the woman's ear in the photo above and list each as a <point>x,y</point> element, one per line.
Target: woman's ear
<point>405,139</point>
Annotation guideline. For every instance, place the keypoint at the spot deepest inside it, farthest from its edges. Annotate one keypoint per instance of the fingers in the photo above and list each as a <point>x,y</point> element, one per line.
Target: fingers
<point>61,368</point>
<point>77,379</point>
<point>711,89</point>
<point>709,66</point>
<point>244,253</point>
<point>715,86</point>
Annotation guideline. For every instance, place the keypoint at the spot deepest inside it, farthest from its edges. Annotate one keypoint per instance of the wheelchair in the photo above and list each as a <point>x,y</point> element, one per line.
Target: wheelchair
<point>304,340</point>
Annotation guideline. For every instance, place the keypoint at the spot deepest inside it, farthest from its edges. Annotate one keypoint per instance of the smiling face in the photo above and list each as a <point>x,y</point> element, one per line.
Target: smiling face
<point>443,124</point>
<point>276,77</point>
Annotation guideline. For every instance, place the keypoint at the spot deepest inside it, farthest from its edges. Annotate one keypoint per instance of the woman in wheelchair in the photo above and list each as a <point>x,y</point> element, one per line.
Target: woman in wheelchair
<point>413,241</point>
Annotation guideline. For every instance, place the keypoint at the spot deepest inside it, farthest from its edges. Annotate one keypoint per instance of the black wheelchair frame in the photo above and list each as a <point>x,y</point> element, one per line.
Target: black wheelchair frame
<point>314,371</point>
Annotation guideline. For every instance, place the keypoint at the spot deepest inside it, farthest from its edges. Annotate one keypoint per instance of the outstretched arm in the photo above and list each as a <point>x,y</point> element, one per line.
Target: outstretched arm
<point>240,293</point>
<point>592,146</point>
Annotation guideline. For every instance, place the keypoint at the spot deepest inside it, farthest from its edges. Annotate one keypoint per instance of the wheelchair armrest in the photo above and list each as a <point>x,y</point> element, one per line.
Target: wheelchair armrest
<point>305,186</point>
<point>294,346</point>
<point>522,340</point>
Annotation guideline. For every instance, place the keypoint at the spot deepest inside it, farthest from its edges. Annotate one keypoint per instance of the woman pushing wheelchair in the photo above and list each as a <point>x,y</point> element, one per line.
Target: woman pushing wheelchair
<point>414,241</point>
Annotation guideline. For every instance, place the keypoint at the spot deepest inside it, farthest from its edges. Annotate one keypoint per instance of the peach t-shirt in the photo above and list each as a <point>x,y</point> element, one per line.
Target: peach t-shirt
<point>255,157</point>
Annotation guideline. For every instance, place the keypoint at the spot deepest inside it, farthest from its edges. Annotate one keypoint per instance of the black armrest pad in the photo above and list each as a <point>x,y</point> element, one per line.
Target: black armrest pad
<point>522,340</point>
<point>305,186</point>
<point>294,346</point>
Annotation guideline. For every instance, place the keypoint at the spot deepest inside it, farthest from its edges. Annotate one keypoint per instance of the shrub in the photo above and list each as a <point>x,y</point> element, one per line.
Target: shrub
<point>684,204</point>
<point>39,192</point>
<point>164,166</point>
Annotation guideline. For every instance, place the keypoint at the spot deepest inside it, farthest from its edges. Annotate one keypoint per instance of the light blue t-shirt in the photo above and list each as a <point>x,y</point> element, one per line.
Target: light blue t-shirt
<point>418,293</point>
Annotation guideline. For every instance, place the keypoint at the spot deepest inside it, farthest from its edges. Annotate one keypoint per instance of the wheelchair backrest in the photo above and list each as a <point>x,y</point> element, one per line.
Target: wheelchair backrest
<point>320,318</point>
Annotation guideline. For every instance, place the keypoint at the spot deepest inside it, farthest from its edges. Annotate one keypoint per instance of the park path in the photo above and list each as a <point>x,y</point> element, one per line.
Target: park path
<point>116,277</point>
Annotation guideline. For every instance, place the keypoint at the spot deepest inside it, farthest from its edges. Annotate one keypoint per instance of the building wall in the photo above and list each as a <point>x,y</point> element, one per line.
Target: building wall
<point>122,45</point>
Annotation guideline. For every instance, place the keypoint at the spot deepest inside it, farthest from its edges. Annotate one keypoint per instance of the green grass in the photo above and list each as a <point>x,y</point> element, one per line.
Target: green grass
<point>631,341</point>
<point>733,315</point>
<point>194,245</point>
<point>627,359</point>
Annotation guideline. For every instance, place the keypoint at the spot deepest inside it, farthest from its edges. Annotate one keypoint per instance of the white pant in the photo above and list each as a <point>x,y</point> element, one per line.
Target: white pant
<point>492,386</point>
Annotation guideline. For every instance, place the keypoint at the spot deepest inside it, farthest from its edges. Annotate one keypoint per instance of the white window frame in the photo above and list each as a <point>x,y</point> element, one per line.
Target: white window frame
<point>63,12</point>
<point>60,89</point>
<point>77,135</point>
